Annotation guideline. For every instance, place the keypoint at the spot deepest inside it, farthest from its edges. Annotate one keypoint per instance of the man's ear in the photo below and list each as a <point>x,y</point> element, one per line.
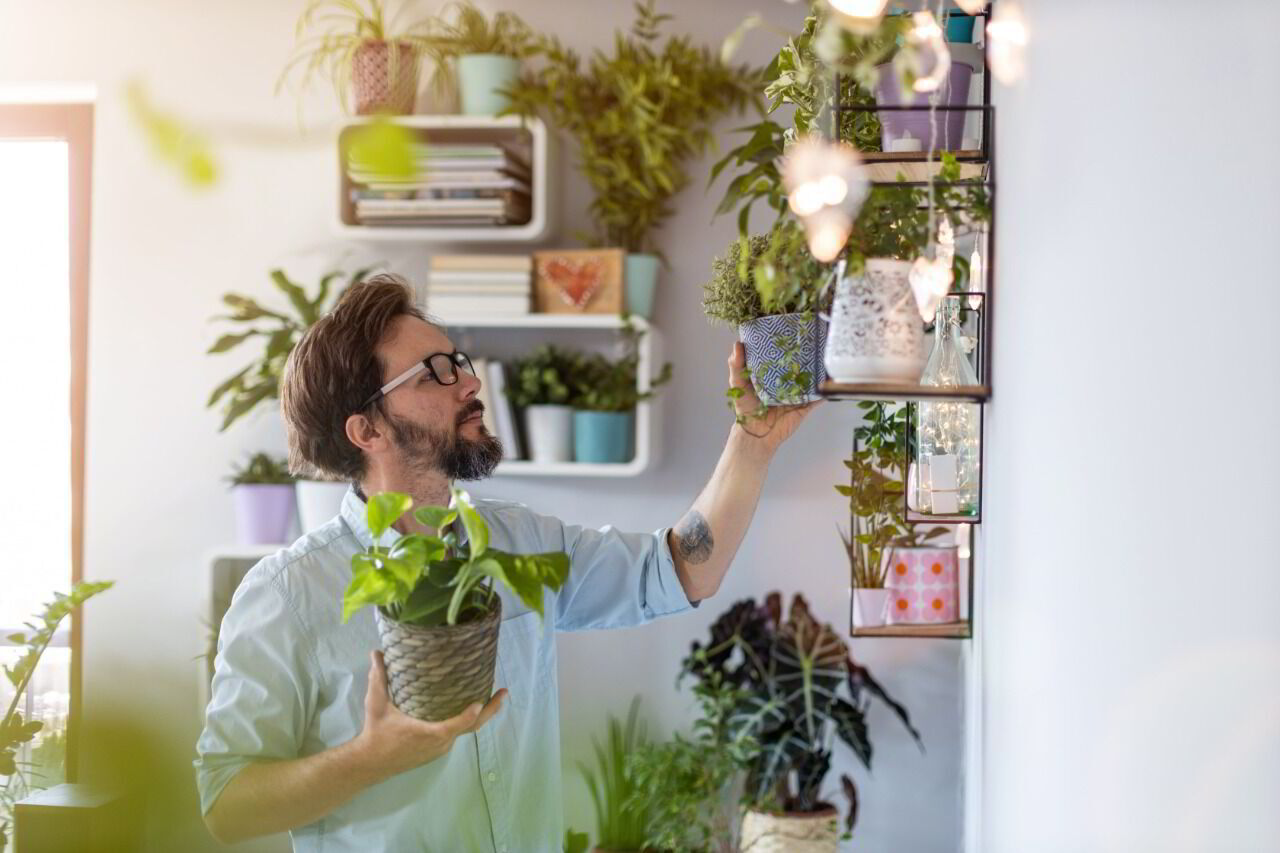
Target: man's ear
<point>365,434</point>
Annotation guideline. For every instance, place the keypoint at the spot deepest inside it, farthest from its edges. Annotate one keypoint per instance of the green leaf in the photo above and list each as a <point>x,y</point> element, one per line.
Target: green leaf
<point>226,342</point>
<point>427,603</point>
<point>528,574</point>
<point>369,587</point>
<point>477,530</point>
<point>435,517</point>
<point>19,639</point>
<point>297,296</point>
<point>234,382</point>
<point>385,509</point>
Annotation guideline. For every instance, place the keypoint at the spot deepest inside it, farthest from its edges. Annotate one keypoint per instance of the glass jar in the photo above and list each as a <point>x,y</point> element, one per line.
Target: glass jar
<point>945,463</point>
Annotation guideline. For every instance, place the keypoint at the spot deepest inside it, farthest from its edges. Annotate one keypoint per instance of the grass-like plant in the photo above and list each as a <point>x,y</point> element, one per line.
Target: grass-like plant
<point>278,330</point>
<point>462,28</point>
<point>621,821</point>
<point>430,580</point>
<point>638,115</point>
<point>261,469</point>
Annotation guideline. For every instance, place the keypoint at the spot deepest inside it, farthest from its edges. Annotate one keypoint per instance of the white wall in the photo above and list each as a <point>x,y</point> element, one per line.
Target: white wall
<point>1131,650</point>
<point>163,255</point>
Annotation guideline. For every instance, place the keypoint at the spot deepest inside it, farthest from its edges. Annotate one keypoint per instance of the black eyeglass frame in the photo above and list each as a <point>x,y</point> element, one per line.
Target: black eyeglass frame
<point>456,359</point>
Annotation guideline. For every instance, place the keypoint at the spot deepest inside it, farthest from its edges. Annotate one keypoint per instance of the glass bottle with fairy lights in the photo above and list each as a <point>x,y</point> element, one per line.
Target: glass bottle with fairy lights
<point>946,459</point>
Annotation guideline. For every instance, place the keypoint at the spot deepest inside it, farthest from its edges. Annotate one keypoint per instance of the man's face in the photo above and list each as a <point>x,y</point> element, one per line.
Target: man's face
<point>435,428</point>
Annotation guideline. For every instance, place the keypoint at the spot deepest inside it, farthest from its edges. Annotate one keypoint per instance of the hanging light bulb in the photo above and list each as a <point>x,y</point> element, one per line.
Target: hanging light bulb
<point>929,58</point>
<point>972,7</point>
<point>825,187</point>
<point>962,541</point>
<point>860,16</point>
<point>1007,42</point>
<point>976,282</point>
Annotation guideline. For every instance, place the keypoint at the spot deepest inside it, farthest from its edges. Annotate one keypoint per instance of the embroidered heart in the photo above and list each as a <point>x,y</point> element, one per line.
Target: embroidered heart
<point>575,281</point>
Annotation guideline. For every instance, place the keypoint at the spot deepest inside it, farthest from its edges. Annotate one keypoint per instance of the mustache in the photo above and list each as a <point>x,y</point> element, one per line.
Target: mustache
<point>475,407</point>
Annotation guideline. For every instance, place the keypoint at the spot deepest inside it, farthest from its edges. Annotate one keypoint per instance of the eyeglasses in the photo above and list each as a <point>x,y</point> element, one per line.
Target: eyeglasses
<point>441,366</point>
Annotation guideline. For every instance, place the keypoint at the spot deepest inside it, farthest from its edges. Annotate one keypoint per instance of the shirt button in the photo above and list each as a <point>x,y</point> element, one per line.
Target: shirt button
<point>493,777</point>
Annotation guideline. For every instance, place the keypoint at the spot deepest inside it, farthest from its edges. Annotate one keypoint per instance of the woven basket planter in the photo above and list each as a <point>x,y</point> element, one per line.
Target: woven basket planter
<point>818,832</point>
<point>435,673</point>
<point>379,87</point>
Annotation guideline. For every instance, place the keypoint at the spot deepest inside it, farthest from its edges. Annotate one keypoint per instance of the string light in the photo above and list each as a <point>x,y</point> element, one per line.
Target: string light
<point>931,279</point>
<point>976,282</point>
<point>1007,42</point>
<point>930,59</point>
<point>825,187</point>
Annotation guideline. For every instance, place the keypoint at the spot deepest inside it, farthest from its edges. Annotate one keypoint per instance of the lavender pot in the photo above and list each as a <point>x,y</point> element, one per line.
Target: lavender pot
<point>895,124</point>
<point>263,512</point>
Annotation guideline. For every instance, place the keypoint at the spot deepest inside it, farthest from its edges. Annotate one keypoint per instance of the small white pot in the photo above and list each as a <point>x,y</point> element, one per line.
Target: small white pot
<point>870,607</point>
<point>549,430</point>
<point>876,334</point>
<point>318,502</point>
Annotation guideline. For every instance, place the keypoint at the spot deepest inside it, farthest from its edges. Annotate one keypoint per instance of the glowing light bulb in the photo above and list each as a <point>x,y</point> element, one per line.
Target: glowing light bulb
<point>827,232</point>
<point>1007,42</point>
<point>833,189</point>
<point>860,16</point>
<point>806,199</point>
<point>972,7</point>
<point>976,283</point>
<point>930,58</point>
<point>825,187</point>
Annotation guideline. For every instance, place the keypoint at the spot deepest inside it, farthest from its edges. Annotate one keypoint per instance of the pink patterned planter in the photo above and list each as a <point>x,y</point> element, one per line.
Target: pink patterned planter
<point>924,585</point>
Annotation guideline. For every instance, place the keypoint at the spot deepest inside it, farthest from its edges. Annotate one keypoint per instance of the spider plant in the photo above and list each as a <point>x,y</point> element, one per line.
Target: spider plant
<point>462,29</point>
<point>619,825</point>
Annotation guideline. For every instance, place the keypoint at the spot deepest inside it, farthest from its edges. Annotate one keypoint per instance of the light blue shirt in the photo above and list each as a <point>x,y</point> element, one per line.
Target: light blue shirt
<point>290,679</point>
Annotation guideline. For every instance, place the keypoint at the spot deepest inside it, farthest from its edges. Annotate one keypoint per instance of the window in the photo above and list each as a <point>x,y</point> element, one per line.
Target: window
<point>44,225</point>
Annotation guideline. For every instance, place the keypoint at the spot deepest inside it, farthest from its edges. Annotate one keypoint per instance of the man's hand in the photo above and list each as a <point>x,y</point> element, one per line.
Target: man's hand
<point>395,742</point>
<point>771,426</point>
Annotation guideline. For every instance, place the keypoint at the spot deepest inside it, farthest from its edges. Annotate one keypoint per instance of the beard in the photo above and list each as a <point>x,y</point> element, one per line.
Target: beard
<point>428,450</point>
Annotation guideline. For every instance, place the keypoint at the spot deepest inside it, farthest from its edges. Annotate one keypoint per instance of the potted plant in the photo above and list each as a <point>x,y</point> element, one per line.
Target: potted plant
<point>769,288</point>
<point>604,404</point>
<point>436,600</point>
<point>481,56</point>
<point>638,115</point>
<point>621,824</point>
<point>802,692</point>
<point>264,497</point>
<point>14,731</point>
<point>876,494</point>
<point>686,785</point>
<point>259,382</point>
<point>542,386</point>
<point>361,49</point>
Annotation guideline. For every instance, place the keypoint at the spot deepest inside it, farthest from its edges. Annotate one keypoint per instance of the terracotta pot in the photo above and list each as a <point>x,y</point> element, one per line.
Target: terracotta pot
<point>807,832</point>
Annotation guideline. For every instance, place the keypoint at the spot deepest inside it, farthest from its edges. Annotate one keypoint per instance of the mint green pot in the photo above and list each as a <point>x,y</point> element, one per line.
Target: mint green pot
<point>602,436</point>
<point>480,76</point>
<point>641,283</point>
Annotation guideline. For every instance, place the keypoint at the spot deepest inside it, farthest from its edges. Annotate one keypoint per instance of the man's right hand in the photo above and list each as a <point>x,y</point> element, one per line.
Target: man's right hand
<point>393,742</point>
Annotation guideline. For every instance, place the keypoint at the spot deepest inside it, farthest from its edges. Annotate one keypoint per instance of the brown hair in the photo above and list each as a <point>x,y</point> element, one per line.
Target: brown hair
<point>335,368</point>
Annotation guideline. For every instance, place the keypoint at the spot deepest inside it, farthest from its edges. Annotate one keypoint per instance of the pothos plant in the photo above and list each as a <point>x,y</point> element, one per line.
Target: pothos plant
<point>430,580</point>
<point>14,731</point>
<point>277,330</point>
<point>639,115</point>
<point>801,692</point>
<point>876,494</point>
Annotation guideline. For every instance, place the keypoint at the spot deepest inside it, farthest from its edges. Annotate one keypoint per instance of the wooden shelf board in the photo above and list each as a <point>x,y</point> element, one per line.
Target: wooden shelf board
<point>944,630</point>
<point>885,166</point>
<point>901,391</point>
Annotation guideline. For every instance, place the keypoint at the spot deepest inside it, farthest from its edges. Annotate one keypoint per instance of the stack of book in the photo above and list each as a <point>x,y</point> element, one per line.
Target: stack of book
<point>499,414</point>
<point>452,185</point>
<point>479,285</point>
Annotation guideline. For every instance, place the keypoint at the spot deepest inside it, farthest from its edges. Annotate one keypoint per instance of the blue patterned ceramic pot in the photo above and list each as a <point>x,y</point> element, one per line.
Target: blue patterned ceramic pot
<point>779,347</point>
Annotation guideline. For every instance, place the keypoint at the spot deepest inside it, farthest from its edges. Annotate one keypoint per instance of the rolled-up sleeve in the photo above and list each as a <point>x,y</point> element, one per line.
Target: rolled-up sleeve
<point>616,579</point>
<point>263,689</point>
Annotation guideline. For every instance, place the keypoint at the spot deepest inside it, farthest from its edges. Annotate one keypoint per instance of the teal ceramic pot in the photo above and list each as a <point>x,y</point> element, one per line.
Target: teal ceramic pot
<point>602,436</point>
<point>641,282</point>
<point>480,76</point>
<point>959,27</point>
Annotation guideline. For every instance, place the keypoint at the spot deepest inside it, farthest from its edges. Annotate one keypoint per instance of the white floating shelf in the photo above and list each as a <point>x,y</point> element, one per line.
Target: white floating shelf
<point>546,321</point>
<point>463,129</point>
<point>525,468</point>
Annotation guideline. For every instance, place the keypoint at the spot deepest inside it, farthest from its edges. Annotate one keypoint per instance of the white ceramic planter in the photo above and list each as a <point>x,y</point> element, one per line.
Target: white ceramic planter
<point>549,431</point>
<point>790,833</point>
<point>876,334</point>
<point>870,607</point>
<point>318,502</point>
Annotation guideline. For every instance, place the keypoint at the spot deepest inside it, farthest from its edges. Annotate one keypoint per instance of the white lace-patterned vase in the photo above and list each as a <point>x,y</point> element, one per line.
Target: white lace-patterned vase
<point>875,333</point>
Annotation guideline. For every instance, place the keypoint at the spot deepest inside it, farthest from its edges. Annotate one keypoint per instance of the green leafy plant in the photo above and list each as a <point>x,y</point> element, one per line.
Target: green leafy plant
<point>800,690</point>
<point>876,494</point>
<point>638,116</point>
<point>344,27</point>
<point>603,384</point>
<point>621,822</point>
<point>14,731</point>
<point>280,331</point>
<point>435,580</point>
<point>685,784</point>
<point>762,275</point>
<point>575,842</point>
<point>544,377</point>
<point>262,469</point>
<point>462,28</point>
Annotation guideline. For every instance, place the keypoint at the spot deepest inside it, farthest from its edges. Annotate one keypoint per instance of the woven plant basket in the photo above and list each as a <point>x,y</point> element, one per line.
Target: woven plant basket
<point>379,88</point>
<point>435,673</point>
<point>818,832</point>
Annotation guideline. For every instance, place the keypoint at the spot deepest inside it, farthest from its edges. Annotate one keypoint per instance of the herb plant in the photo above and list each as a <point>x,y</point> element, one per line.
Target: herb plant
<point>280,331</point>
<point>14,731</point>
<point>544,377</point>
<point>620,823</point>
<point>801,692</point>
<point>262,469</point>
<point>434,580</point>
<point>638,115</point>
<point>774,275</point>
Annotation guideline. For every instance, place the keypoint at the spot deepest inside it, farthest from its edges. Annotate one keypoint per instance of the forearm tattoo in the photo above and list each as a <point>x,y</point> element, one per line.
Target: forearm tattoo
<point>693,538</point>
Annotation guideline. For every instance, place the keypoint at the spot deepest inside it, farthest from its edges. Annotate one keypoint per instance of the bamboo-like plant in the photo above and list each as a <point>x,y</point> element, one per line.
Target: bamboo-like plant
<point>621,821</point>
<point>260,380</point>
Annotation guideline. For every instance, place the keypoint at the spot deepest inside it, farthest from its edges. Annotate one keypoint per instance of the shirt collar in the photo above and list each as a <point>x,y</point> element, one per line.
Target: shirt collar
<point>355,513</point>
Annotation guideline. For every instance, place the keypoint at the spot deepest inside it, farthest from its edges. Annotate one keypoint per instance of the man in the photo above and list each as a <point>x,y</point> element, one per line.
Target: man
<point>377,395</point>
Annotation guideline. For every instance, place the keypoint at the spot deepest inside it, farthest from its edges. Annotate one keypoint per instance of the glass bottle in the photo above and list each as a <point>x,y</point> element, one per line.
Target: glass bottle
<point>946,452</point>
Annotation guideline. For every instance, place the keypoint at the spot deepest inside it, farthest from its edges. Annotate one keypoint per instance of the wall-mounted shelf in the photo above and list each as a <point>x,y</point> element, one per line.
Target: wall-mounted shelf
<point>530,135</point>
<point>942,630</point>
<point>885,166</point>
<point>898,391</point>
